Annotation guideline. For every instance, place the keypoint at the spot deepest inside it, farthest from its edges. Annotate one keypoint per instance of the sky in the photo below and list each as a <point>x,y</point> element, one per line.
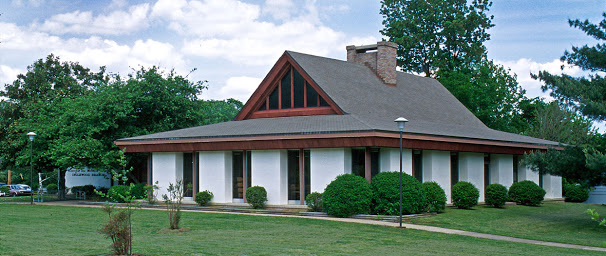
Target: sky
<point>232,44</point>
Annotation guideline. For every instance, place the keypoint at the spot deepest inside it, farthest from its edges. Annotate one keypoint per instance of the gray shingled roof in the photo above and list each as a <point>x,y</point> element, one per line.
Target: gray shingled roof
<point>368,104</point>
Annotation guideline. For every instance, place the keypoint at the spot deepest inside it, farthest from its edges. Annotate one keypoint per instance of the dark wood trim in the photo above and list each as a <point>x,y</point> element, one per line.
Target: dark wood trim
<point>195,173</point>
<point>367,165</point>
<point>304,94</point>
<point>301,177</point>
<point>292,88</point>
<point>326,142</point>
<point>150,180</point>
<point>293,112</point>
<point>279,94</point>
<point>386,135</point>
<point>273,80</point>
<point>245,174</point>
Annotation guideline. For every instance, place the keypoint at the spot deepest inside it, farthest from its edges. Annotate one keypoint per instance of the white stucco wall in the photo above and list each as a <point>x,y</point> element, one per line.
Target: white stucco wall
<point>436,167</point>
<point>167,167</point>
<point>215,168</point>
<point>471,169</point>
<point>525,173</point>
<point>269,170</point>
<point>390,157</point>
<point>326,165</point>
<point>501,169</point>
<point>553,186</point>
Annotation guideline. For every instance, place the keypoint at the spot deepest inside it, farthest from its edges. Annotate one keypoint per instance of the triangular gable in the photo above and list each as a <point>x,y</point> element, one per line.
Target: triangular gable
<point>287,91</point>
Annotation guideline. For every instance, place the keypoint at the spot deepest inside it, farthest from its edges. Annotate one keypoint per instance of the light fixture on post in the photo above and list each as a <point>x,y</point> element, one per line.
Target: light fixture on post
<point>401,121</point>
<point>31,136</point>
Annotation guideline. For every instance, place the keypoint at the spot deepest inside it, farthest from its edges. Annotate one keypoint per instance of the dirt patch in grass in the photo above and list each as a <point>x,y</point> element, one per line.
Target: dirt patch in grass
<point>168,230</point>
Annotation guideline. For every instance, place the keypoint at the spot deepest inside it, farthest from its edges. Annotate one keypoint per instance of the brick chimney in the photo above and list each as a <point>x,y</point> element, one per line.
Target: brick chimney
<point>379,57</point>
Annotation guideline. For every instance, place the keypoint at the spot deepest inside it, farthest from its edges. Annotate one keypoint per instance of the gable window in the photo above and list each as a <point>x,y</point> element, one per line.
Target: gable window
<point>291,92</point>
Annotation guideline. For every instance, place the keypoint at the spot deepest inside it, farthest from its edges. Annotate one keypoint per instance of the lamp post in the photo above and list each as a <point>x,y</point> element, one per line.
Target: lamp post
<point>31,136</point>
<point>401,121</point>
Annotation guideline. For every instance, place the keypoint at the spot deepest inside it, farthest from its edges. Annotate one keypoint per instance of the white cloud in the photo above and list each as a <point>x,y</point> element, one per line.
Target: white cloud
<point>91,52</point>
<point>207,18</point>
<point>234,30</point>
<point>8,75</point>
<point>239,88</point>
<point>114,23</point>
<point>279,9</point>
<point>524,67</point>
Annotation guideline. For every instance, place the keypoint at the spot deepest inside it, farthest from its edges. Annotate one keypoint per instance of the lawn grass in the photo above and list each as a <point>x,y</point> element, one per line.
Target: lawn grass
<point>554,222</point>
<point>54,230</point>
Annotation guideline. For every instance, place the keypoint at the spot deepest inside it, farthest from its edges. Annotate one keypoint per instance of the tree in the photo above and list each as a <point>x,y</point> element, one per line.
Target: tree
<point>437,34</point>
<point>583,159</point>
<point>445,40</point>
<point>77,126</point>
<point>587,95</point>
<point>489,92</point>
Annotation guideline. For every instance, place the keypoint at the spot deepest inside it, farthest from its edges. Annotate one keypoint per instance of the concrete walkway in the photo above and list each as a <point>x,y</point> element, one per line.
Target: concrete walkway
<point>375,222</point>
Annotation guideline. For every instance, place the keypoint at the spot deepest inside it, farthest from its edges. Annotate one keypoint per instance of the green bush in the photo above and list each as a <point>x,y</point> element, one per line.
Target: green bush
<point>347,195</point>
<point>526,192</point>
<point>465,195</point>
<point>52,188</point>
<point>118,193</point>
<point>314,201</point>
<point>496,195</point>
<point>5,189</point>
<point>139,191</point>
<point>89,190</point>
<point>386,194</point>
<point>204,197</point>
<point>436,197</point>
<point>576,193</point>
<point>256,196</point>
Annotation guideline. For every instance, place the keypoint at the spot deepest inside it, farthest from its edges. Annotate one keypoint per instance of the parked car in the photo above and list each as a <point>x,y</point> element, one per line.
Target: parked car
<point>20,190</point>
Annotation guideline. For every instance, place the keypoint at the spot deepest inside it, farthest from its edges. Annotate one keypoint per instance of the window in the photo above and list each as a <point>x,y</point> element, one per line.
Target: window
<point>374,161</point>
<point>486,170</point>
<point>454,168</point>
<point>516,161</point>
<point>188,172</point>
<point>237,174</point>
<point>358,162</point>
<point>294,180</point>
<point>292,91</point>
<point>417,164</point>
<point>295,166</point>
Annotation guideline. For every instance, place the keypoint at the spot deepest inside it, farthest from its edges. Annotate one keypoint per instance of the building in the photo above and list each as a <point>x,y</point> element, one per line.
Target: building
<point>314,118</point>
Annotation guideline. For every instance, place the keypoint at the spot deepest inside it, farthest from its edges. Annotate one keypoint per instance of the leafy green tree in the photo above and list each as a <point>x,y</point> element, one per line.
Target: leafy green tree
<point>78,114</point>
<point>489,92</point>
<point>583,159</point>
<point>437,34</point>
<point>444,39</point>
<point>586,94</point>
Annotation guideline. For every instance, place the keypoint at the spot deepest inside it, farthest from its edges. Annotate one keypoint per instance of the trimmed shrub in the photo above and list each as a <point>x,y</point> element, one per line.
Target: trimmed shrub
<point>204,197</point>
<point>347,195</point>
<point>436,197</point>
<point>139,191</point>
<point>117,193</point>
<point>576,193</point>
<point>496,195</point>
<point>526,192</point>
<point>89,190</point>
<point>314,201</point>
<point>465,195</point>
<point>52,188</point>
<point>386,194</point>
<point>5,189</point>
<point>256,196</point>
